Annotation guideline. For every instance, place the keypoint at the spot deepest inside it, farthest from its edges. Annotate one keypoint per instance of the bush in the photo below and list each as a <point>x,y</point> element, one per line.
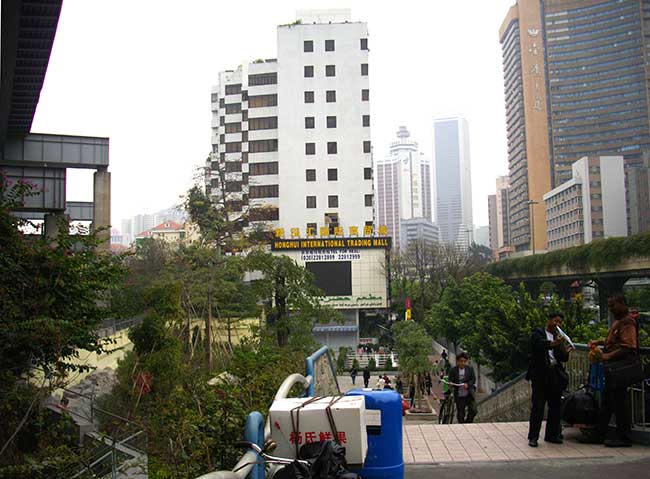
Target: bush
<point>355,364</point>
<point>372,364</point>
<point>341,359</point>
<point>389,364</point>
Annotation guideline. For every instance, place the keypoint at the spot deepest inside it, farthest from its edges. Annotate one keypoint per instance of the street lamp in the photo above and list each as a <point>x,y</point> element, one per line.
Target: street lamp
<point>530,204</point>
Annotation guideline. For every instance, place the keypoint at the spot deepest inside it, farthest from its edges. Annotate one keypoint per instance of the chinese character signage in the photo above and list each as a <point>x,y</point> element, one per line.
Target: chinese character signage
<point>330,243</point>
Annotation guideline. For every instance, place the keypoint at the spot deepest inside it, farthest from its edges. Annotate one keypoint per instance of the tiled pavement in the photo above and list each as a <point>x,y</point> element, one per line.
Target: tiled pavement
<point>439,443</point>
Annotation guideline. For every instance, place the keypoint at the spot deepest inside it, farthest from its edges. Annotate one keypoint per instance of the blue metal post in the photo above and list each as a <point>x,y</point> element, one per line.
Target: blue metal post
<point>254,432</point>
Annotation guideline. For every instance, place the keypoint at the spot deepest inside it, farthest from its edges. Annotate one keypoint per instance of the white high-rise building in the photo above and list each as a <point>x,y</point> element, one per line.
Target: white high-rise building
<point>453,193</point>
<point>292,134</point>
<point>403,185</point>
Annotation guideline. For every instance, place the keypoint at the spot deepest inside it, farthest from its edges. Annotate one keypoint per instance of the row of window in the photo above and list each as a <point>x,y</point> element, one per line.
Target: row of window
<point>333,174</point>
<point>310,121</point>
<point>332,147</point>
<point>333,201</point>
<point>330,70</point>
<point>330,45</point>
<point>330,96</point>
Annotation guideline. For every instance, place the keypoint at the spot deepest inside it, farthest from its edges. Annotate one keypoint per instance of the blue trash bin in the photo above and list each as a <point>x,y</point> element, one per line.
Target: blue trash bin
<point>384,458</point>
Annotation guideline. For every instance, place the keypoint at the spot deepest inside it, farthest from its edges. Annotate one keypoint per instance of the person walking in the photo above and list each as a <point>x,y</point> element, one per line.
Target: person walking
<point>621,344</point>
<point>548,380</point>
<point>366,376</point>
<point>463,374</point>
<point>353,375</point>
<point>428,382</point>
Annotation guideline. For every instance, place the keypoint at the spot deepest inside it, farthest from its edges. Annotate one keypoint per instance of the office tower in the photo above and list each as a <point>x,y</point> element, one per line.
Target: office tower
<point>589,206</point>
<point>418,229</point>
<point>492,220</point>
<point>403,186</point>
<point>575,85</point>
<point>453,191</point>
<point>638,197</point>
<point>291,136</point>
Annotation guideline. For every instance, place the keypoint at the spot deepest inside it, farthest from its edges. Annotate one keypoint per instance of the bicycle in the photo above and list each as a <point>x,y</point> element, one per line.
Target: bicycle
<point>447,410</point>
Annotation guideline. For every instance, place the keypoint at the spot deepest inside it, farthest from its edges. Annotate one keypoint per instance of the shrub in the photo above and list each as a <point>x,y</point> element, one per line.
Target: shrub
<point>372,364</point>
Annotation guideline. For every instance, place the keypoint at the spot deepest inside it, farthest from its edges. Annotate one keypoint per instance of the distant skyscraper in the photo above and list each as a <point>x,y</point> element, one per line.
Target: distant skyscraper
<point>576,85</point>
<point>492,217</point>
<point>403,185</point>
<point>453,181</point>
<point>482,235</point>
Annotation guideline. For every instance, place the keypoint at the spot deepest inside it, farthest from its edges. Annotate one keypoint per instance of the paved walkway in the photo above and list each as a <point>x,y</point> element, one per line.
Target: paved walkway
<point>488,442</point>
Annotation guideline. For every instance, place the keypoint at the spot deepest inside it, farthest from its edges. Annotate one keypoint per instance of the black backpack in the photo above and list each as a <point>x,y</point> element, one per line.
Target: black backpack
<point>580,407</point>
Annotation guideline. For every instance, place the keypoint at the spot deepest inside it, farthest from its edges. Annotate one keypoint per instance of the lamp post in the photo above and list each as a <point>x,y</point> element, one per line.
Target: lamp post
<point>530,204</point>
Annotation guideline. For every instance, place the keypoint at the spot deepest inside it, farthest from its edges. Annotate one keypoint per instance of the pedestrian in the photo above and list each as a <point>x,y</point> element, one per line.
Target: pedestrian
<point>463,383</point>
<point>399,385</point>
<point>366,376</point>
<point>548,380</point>
<point>621,344</point>
<point>381,382</point>
<point>428,383</point>
<point>353,375</point>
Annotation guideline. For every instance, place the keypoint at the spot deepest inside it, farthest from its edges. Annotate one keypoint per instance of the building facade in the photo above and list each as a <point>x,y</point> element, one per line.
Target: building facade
<point>638,198</point>
<point>492,219</point>
<point>576,85</point>
<point>418,229</point>
<point>403,185</point>
<point>291,136</point>
<point>589,206</point>
<point>452,170</point>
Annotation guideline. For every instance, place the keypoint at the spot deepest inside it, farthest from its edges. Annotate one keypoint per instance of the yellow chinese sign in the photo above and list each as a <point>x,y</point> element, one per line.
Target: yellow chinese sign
<point>337,231</point>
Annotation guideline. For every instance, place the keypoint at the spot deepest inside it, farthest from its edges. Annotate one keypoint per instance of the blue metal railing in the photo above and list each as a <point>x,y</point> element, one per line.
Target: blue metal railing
<point>311,370</point>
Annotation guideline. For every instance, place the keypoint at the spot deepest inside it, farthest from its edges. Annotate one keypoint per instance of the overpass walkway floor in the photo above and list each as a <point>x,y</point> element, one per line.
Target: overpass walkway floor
<point>497,442</point>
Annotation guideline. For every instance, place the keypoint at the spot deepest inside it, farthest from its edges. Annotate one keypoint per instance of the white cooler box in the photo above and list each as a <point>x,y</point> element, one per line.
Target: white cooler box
<point>349,414</point>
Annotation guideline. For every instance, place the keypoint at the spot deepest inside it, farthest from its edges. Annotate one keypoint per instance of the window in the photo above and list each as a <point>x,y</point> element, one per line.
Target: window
<point>233,186</point>
<point>244,95</point>
<point>233,127</point>
<point>233,89</point>
<point>222,139</point>
<point>310,148</point>
<point>222,120</point>
<point>244,156</point>
<point>309,71</point>
<point>233,166</point>
<point>365,95</point>
<point>311,202</point>
<point>232,108</point>
<point>266,191</point>
<point>364,69</point>
<point>330,70</point>
<point>310,122</point>
<point>309,97</point>
<point>367,173</point>
<point>262,146</point>
<point>366,120</point>
<point>366,146</point>
<point>368,200</point>
<point>329,45</point>
<point>263,79</point>
<point>260,101</point>
<point>266,168</point>
<point>331,122</point>
<point>244,136</point>
<point>332,174</point>
<point>310,175</point>
<point>214,97</point>
<point>332,201</point>
<point>308,46</point>
<point>364,43</point>
<point>331,148</point>
<point>234,147</point>
<point>263,123</point>
<point>244,115</point>
<point>234,205</point>
<point>267,213</point>
<point>330,96</point>
<point>222,102</point>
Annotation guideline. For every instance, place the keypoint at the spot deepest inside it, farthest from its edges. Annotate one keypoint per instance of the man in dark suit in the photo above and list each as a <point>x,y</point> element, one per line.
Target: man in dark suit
<point>548,380</point>
<point>464,395</point>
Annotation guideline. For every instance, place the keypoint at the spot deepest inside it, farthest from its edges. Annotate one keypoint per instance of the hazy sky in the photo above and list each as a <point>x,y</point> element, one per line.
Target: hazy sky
<point>140,72</point>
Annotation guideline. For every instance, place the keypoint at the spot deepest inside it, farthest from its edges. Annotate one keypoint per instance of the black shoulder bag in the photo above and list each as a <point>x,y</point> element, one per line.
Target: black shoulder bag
<point>622,373</point>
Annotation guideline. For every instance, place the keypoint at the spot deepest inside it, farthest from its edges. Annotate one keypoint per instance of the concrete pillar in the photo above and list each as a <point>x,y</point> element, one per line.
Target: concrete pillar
<point>52,225</point>
<point>102,207</point>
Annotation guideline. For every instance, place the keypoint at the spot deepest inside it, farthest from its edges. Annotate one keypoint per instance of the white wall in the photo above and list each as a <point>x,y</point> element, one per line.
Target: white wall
<point>349,134</point>
<point>612,178</point>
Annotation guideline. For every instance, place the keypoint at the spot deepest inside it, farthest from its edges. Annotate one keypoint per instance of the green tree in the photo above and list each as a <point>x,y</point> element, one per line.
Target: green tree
<point>413,345</point>
<point>52,300</point>
<point>292,300</point>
